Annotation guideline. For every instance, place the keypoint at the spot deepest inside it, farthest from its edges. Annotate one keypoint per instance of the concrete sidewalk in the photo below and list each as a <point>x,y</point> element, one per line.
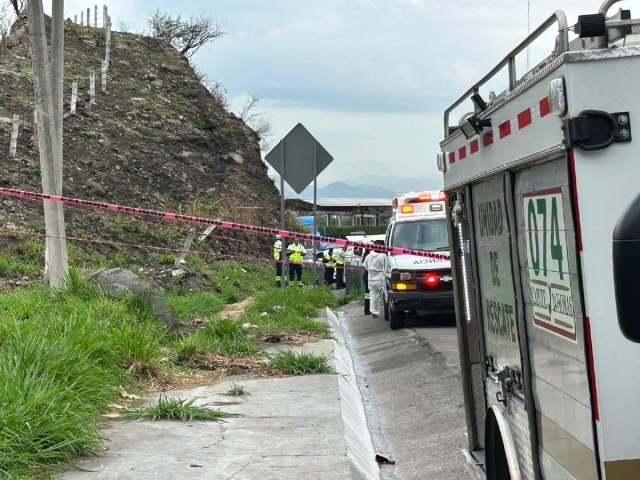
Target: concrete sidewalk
<point>291,428</point>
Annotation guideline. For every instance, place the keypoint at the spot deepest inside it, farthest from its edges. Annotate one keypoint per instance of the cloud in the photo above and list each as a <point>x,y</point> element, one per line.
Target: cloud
<point>370,78</point>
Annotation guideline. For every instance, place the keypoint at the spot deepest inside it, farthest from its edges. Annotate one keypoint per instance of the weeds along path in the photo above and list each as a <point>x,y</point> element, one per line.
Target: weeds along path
<point>67,356</point>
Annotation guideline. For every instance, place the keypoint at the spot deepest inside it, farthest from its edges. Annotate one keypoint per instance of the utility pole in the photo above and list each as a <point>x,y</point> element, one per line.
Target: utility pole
<point>50,135</point>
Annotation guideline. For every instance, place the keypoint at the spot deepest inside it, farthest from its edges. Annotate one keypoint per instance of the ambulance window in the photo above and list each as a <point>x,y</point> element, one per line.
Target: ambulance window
<point>427,235</point>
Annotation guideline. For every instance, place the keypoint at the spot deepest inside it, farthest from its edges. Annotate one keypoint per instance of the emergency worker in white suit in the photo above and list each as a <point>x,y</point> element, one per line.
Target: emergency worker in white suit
<point>374,264</point>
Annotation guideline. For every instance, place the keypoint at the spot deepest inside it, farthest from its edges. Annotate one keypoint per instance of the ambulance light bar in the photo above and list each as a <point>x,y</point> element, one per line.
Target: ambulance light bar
<point>405,202</point>
<point>434,197</point>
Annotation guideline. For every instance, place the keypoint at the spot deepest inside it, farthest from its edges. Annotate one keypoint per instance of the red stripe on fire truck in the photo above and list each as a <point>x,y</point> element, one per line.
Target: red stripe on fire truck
<point>509,127</point>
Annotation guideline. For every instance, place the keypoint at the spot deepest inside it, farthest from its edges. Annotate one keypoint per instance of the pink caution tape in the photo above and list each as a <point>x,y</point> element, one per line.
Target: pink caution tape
<point>219,223</point>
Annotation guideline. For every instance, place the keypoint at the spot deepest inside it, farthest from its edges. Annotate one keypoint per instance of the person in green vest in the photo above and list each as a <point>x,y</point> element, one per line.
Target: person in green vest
<point>338,257</point>
<point>329,265</point>
<point>296,253</point>
<point>277,256</point>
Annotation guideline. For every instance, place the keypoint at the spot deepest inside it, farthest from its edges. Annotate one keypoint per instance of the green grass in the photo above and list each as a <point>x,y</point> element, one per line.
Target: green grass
<point>13,267</point>
<point>62,356</point>
<point>353,296</point>
<point>301,306</point>
<point>217,337</point>
<point>177,409</point>
<point>238,391</point>
<point>195,305</point>
<point>65,353</point>
<point>303,363</point>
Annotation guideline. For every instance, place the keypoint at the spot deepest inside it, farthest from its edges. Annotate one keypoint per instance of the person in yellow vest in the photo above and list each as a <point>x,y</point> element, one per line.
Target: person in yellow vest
<point>277,256</point>
<point>296,253</point>
<point>338,257</point>
<point>329,265</point>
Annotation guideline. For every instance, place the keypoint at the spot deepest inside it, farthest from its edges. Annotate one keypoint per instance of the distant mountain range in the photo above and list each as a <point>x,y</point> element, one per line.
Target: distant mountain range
<point>369,186</point>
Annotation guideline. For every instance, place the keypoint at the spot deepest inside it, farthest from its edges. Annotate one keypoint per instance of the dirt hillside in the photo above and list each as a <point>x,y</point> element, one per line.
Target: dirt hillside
<point>157,139</point>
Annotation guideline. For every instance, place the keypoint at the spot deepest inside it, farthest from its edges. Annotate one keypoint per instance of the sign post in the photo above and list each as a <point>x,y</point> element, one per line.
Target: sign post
<point>299,158</point>
<point>283,220</point>
<point>315,209</point>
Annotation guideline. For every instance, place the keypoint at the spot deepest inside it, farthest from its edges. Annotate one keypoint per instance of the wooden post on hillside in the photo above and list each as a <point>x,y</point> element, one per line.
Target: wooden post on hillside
<point>187,245</point>
<point>104,76</point>
<point>36,137</point>
<point>13,145</point>
<point>74,97</point>
<point>95,17</point>
<point>57,83</point>
<point>107,54</point>
<point>88,17</point>
<point>75,19</point>
<point>82,18</point>
<point>104,16</point>
<point>92,88</point>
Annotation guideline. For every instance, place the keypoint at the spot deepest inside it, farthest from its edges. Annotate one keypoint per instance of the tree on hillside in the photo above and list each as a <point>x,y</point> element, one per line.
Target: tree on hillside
<point>187,36</point>
<point>257,120</point>
<point>18,6</point>
<point>5,26</point>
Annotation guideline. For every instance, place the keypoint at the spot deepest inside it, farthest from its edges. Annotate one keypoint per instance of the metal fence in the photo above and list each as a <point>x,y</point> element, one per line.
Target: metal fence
<point>353,277</point>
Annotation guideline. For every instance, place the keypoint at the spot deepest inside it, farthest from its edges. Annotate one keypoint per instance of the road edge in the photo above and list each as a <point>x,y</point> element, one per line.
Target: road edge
<point>360,449</point>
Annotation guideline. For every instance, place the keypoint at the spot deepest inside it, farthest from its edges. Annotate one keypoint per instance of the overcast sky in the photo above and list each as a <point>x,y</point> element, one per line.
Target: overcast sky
<point>369,78</point>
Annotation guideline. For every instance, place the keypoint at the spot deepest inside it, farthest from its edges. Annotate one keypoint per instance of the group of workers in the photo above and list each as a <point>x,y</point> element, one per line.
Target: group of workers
<point>295,253</point>
<point>373,276</point>
<point>333,263</point>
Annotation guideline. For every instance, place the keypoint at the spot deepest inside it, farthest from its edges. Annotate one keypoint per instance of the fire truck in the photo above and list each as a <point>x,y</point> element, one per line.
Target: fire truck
<point>417,285</point>
<point>542,185</point>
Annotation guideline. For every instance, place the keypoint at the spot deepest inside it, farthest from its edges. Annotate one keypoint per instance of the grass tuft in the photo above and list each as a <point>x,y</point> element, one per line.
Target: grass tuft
<point>177,409</point>
<point>303,363</point>
<point>237,391</point>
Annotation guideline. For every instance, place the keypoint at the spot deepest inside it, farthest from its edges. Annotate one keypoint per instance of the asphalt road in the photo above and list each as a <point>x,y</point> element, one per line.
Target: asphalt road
<point>413,393</point>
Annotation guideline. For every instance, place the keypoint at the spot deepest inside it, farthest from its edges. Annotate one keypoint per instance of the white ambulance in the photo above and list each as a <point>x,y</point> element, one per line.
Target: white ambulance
<point>417,285</point>
<point>543,185</point>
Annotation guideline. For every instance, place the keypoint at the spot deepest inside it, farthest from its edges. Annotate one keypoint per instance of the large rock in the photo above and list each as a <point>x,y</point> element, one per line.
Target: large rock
<point>123,280</point>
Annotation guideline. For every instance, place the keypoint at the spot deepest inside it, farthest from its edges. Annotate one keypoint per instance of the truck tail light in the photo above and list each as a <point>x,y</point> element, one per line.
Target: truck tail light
<point>404,286</point>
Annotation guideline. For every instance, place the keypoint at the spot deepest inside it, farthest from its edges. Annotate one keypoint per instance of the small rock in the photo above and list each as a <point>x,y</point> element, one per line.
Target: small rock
<point>157,84</point>
<point>118,280</point>
<point>236,157</point>
<point>276,309</point>
<point>249,326</point>
<point>180,117</point>
<point>96,187</point>
<point>264,314</point>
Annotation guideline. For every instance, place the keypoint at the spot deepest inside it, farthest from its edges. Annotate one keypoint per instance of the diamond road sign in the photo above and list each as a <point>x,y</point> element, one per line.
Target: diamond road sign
<point>298,158</point>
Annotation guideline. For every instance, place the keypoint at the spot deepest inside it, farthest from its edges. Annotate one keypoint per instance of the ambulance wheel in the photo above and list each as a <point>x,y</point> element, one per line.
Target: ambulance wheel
<point>396,320</point>
<point>386,309</point>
